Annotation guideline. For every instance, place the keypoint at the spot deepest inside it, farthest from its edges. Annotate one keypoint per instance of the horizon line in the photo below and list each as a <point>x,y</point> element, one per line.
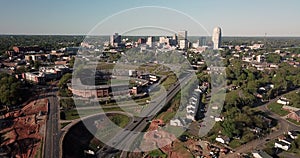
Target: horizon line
<point>21,34</point>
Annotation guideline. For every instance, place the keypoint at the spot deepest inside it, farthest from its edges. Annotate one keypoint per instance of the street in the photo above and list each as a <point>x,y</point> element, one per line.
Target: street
<point>52,127</point>
<point>284,127</point>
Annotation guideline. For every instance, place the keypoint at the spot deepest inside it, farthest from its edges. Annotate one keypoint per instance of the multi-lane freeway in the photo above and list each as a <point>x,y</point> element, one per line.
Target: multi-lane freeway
<point>128,136</point>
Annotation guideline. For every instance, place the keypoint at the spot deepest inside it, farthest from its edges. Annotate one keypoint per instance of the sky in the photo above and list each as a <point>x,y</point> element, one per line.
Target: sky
<point>79,17</point>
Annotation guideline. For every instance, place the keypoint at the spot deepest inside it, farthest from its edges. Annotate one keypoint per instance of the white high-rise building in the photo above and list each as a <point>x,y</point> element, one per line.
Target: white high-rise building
<point>217,38</point>
<point>182,39</point>
<point>150,41</point>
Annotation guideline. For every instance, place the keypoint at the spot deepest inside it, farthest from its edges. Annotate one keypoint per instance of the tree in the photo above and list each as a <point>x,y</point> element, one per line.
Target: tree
<point>37,64</point>
<point>230,128</point>
<point>63,81</point>
<point>11,90</point>
<point>273,58</point>
<point>72,61</point>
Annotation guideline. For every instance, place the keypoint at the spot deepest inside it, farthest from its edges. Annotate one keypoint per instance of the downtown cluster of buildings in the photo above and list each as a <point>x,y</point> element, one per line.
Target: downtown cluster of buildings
<point>178,41</point>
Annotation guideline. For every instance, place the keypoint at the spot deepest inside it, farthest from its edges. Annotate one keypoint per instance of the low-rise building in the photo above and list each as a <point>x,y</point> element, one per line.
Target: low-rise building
<point>35,77</point>
<point>283,101</point>
<point>223,139</point>
<point>282,145</point>
<point>260,154</point>
<point>290,108</point>
<point>177,122</point>
<point>293,134</point>
<point>294,115</point>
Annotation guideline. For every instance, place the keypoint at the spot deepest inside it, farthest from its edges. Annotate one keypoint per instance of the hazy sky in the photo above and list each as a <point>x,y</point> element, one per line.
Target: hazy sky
<point>235,17</point>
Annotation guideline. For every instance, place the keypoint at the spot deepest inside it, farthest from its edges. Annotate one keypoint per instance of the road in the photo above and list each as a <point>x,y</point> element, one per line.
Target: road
<point>51,149</point>
<point>128,136</point>
<point>284,127</point>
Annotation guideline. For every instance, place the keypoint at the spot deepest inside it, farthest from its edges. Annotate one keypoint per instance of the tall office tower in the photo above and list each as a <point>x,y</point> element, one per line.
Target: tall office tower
<point>175,37</point>
<point>174,40</point>
<point>115,39</point>
<point>182,35</point>
<point>217,38</point>
<point>182,39</point>
<point>150,41</point>
<point>202,41</point>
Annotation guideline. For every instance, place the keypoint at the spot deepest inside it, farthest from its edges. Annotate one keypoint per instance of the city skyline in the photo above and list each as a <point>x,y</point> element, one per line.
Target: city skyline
<point>253,18</point>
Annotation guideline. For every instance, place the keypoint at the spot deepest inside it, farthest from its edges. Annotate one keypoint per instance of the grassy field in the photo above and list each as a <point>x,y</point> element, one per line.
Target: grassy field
<point>74,114</point>
<point>105,66</point>
<point>235,143</point>
<point>171,79</point>
<point>294,121</point>
<point>277,108</point>
<point>294,99</point>
<point>120,120</point>
<point>167,116</point>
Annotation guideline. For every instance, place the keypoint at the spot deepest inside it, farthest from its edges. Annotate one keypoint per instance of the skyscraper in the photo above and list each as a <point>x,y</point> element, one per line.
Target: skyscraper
<point>217,38</point>
<point>182,39</point>
<point>150,41</point>
<point>202,41</point>
<point>182,35</point>
<point>115,39</point>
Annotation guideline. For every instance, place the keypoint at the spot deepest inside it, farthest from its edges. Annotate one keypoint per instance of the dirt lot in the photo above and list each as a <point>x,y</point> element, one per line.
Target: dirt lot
<point>22,131</point>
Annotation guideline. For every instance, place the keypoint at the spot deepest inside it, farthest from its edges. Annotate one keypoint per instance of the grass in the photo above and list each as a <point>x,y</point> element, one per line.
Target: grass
<point>39,152</point>
<point>294,99</point>
<point>148,67</point>
<point>120,120</point>
<point>157,154</point>
<point>293,121</point>
<point>277,108</point>
<point>71,115</point>
<point>235,143</point>
<point>269,148</point>
<point>74,114</point>
<point>105,66</point>
<point>167,116</point>
<point>171,79</point>
<point>62,125</point>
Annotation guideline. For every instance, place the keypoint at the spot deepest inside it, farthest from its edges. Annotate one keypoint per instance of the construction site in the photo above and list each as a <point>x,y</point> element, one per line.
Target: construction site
<point>22,131</point>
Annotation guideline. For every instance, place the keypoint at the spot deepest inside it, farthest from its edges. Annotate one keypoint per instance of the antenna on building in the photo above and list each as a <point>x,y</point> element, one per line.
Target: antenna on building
<point>265,40</point>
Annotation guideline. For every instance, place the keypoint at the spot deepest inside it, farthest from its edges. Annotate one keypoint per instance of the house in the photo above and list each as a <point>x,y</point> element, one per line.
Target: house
<point>219,119</point>
<point>282,145</point>
<point>294,115</point>
<point>290,108</point>
<point>285,140</point>
<point>293,134</point>
<point>283,101</point>
<point>177,122</point>
<point>223,139</point>
<point>256,130</point>
<point>260,154</point>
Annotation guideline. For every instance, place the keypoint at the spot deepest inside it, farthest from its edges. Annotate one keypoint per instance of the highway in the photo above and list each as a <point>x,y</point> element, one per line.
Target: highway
<point>51,149</point>
<point>126,138</point>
